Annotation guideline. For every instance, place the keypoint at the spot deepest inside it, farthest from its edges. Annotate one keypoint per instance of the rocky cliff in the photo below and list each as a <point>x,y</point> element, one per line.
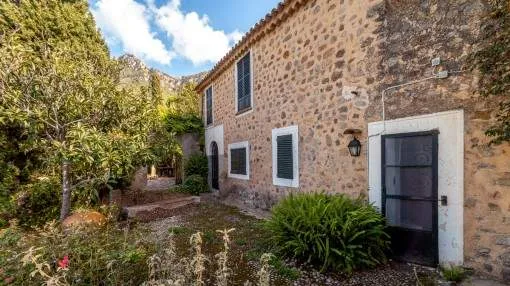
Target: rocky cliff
<point>135,72</point>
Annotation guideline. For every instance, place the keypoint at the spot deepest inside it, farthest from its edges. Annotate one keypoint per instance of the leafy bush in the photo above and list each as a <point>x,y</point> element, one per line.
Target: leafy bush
<point>184,123</point>
<point>103,256</point>
<point>196,165</point>
<point>37,202</point>
<point>110,255</point>
<point>194,185</point>
<point>330,230</point>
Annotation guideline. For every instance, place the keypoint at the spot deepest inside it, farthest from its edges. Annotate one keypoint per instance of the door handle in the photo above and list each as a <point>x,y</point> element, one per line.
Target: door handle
<point>443,200</point>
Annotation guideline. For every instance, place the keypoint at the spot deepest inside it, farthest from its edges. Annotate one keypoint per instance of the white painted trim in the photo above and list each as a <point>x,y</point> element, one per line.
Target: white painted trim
<point>293,130</point>
<point>237,145</point>
<point>450,173</point>
<point>250,51</point>
<point>214,133</point>
<point>212,107</point>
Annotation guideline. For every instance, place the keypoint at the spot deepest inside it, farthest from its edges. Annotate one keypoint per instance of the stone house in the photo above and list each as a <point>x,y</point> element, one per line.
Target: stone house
<point>282,106</point>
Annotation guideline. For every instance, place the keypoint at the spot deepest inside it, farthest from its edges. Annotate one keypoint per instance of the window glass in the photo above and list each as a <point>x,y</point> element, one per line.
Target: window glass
<point>238,161</point>
<point>208,94</point>
<point>243,83</point>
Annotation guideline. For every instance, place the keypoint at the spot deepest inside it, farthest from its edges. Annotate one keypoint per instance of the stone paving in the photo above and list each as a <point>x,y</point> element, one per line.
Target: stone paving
<point>160,184</point>
<point>160,206</point>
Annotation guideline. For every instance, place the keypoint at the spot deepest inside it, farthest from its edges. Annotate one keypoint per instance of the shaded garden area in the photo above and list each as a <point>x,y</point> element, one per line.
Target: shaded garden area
<point>160,252</point>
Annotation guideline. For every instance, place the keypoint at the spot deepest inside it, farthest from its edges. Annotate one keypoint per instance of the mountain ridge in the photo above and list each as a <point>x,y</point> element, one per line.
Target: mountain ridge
<point>135,72</point>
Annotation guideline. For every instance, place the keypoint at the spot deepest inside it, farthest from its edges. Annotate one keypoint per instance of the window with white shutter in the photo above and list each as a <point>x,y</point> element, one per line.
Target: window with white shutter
<point>285,156</point>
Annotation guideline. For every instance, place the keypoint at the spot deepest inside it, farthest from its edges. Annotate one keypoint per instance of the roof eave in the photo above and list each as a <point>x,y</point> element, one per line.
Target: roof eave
<point>272,20</point>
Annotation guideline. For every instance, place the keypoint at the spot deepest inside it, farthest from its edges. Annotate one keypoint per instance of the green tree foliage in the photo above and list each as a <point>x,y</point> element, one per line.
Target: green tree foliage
<point>193,185</point>
<point>155,88</point>
<point>196,164</point>
<point>493,62</point>
<point>16,164</point>
<point>58,84</point>
<point>183,111</point>
<point>329,230</point>
<point>36,202</point>
<point>185,101</point>
<point>162,141</point>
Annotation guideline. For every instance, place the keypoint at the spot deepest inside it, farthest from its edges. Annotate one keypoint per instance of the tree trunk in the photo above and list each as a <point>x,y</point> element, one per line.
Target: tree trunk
<point>178,170</point>
<point>66,191</point>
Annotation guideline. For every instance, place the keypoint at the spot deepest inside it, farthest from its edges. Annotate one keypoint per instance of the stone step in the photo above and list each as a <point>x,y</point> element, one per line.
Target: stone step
<point>166,205</point>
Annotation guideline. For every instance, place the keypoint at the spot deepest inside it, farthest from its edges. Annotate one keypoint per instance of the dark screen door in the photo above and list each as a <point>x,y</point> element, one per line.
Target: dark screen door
<point>409,195</point>
<point>214,166</point>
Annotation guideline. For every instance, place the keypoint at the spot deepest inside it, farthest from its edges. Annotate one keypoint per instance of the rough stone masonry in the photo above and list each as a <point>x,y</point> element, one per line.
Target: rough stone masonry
<point>323,68</point>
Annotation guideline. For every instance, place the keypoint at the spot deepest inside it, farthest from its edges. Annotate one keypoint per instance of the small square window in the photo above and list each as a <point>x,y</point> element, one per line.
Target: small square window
<point>239,160</point>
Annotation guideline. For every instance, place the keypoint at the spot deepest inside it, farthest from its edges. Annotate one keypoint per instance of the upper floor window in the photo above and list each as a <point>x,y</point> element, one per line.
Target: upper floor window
<point>244,84</point>
<point>208,103</point>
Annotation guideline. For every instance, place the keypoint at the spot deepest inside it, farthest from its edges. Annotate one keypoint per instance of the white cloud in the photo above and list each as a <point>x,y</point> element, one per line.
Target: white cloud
<point>128,22</point>
<point>192,36</point>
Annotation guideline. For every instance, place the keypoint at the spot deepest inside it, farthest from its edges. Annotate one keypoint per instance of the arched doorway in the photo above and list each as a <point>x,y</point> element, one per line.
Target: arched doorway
<point>214,166</point>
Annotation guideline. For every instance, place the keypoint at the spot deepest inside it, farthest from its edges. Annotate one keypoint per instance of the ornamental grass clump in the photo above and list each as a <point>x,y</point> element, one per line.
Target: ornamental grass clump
<point>332,231</point>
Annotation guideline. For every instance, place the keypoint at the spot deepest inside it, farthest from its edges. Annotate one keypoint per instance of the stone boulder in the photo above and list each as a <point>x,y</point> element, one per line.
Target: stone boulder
<point>86,218</point>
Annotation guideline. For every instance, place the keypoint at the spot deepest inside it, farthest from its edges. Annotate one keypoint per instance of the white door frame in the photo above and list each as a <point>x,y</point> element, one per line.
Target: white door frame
<point>214,134</point>
<point>450,125</point>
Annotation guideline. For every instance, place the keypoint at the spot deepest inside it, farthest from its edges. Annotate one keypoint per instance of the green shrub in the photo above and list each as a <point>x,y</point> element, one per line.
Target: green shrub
<point>333,231</point>
<point>37,202</point>
<point>196,165</point>
<point>3,223</point>
<point>104,256</point>
<point>283,269</point>
<point>194,185</point>
<point>453,273</point>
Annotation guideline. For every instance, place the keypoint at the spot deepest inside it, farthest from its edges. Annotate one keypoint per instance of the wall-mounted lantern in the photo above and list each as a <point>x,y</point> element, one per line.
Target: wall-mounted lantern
<point>354,146</point>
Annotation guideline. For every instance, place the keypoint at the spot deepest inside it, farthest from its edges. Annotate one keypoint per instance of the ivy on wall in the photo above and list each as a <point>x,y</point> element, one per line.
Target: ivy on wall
<point>492,60</point>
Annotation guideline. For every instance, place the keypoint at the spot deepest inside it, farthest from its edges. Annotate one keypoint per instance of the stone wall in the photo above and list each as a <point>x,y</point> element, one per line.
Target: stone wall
<point>324,68</point>
<point>190,143</point>
<point>306,73</point>
<point>415,32</point>
<point>139,180</point>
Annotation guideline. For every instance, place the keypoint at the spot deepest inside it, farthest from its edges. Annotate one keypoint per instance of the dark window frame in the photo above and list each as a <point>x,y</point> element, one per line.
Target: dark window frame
<point>435,189</point>
<point>238,165</point>
<point>209,105</point>
<point>244,84</point>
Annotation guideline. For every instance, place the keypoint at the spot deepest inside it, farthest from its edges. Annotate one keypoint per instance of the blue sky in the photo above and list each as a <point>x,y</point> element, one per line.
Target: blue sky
<point>179,37</point>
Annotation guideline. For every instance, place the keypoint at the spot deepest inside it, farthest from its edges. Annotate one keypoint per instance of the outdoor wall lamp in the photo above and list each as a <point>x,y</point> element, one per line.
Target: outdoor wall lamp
<point>354,146</point>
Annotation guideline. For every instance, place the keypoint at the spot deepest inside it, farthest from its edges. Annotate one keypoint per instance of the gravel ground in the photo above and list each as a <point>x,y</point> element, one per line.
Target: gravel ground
<point>210,216</point>
<point>392,274</point>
